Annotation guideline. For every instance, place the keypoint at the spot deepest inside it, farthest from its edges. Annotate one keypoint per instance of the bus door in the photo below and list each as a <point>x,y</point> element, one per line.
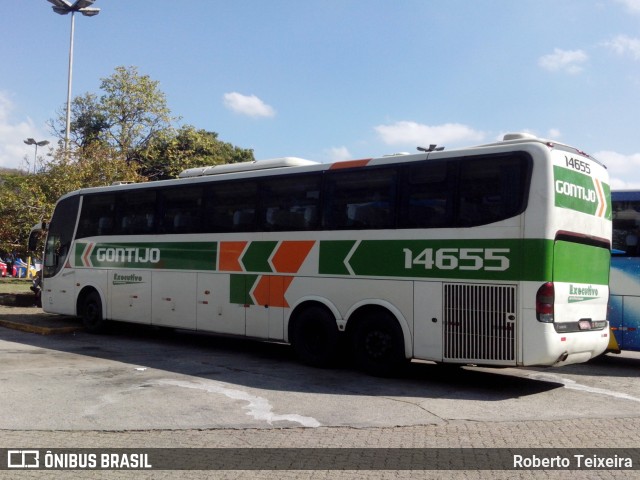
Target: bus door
<point>58,274</point>
<point>215,309</point>
<point>428,321</point>
<point>59,295</point>
<point>242,304</point>
<point>265,308</point>
<point>174,299</point>
<point>130,295</point>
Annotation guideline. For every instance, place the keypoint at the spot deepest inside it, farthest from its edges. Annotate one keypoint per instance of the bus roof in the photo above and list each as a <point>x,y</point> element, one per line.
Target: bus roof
<point>246,166</point>
<point>260,167</point>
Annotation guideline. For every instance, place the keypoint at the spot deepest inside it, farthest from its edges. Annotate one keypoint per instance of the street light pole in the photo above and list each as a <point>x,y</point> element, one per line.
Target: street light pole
<point>63,7</point>
<point>67,128</point>
<point>31,141</point>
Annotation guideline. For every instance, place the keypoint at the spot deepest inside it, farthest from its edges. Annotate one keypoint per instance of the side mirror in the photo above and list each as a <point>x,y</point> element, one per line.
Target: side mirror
<point>33,241</point>
<point>34,236</point>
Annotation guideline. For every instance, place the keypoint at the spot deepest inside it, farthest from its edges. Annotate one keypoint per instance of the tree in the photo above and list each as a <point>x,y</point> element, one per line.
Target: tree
<point>29,199</point>
<point>130,111</point>
<point>134,107</point>
<point>171,151</point>
<point>88,122</point>
<point>131,116</point>
<point>20,209</point>
<point>96,165</point>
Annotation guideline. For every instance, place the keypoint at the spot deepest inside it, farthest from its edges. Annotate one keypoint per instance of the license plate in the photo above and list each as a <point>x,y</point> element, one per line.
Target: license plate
<point>584,324</point>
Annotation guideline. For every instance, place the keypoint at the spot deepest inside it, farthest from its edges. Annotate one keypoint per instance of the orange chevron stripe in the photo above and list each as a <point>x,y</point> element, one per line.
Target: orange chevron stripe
<point>270,291</point>
<point>350,164</point>
<point>601,197</point>
<point>87,254</point>
<point>230,256</point>
<point>290,255</point>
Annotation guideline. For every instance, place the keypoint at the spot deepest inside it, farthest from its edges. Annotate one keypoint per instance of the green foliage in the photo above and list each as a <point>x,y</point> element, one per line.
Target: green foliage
<point>172,151</point>
<point>29,199</point>
<point>129,112</point>
<point>23,204</point>
<point>134,107</point>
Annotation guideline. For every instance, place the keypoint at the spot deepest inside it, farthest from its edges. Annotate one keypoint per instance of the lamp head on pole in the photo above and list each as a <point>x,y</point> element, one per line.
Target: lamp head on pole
<point>31,141</point>
<point>63,7</point>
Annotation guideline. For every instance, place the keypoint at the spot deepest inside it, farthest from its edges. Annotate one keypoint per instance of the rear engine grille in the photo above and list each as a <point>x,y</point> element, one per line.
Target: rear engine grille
<point>479,322</point>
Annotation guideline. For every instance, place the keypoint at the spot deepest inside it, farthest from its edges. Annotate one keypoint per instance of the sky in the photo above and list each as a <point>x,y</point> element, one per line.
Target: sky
<point>330,80</point>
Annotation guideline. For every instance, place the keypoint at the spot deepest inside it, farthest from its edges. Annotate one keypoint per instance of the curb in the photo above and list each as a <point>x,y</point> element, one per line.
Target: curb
<point>17,299</point>
<point>29,328</point>
<point>33,323</point>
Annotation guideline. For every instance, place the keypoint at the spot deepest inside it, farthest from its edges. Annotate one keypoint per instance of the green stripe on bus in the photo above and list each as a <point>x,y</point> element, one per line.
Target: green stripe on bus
<point>579,263</point>
<point>256,258</point>
<point>239,287</point>
<point>577,191</point>
<point>494,260</point>
<point>154,255</point>
<point>332,256</point>
<point>485,259</point>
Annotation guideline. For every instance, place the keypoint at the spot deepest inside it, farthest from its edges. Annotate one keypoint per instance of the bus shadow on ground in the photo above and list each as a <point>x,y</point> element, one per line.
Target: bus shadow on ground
<point>274,366</point>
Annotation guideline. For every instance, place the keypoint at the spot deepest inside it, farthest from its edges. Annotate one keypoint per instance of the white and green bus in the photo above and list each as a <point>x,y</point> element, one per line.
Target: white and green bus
<point>492,255</point>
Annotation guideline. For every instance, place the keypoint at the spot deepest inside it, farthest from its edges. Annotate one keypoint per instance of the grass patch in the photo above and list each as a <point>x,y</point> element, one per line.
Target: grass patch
<point>14,285</point>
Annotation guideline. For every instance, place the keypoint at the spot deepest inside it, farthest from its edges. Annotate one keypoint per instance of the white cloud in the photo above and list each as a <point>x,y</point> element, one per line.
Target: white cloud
<point>554,134</point>
<point>249,105</point>
<point>412,134</point>
<point>632,5</point>
<point>337,154</point>
<point>623,169</point>
<point>13,134</point>
<point>568,61</point>
<point>623,45</point>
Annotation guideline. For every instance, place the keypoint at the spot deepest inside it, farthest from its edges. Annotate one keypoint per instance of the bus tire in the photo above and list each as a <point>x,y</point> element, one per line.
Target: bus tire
<point>378,345</point>
<point>315,337</point>
<point>92,313</point>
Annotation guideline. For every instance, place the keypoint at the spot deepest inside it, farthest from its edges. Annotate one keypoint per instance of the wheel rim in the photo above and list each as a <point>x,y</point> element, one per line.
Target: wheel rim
<point>92,313</point>
<point>378,344</point>
<point>314,338</point>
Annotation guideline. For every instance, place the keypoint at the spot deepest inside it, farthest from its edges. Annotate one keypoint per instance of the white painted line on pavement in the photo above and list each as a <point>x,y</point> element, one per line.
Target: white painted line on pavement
<point>573,385</point>
<point>259,407</point>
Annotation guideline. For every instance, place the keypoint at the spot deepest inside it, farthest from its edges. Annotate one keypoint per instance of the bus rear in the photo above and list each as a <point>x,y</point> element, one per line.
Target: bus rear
<point>575,232</point>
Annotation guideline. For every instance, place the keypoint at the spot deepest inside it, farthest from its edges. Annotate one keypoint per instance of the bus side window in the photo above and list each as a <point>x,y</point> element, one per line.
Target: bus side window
<point>428,190</point>
<point>96,217</point>
<point>230,207</point>
<point>491,189</point>
<point>288,203</point>
<point>626,228</point>
<point>360,198</point>
<point>105,225</point>
<point>180,210</point>
<point>136,212</point>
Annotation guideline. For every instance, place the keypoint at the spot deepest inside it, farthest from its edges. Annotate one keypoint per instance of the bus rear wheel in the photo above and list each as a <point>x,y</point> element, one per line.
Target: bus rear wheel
<point>92,313</point>
<point>378,345</point>
<point>315,337</point>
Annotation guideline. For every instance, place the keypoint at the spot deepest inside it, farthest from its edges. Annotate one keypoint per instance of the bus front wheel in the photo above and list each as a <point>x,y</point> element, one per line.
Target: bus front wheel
<point>92,313</point>
<point>315,337</point>
<point>378,345</point>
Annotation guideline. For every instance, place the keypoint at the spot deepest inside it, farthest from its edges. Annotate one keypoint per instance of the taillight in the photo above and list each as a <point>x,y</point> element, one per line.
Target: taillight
<point>544,303</point>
